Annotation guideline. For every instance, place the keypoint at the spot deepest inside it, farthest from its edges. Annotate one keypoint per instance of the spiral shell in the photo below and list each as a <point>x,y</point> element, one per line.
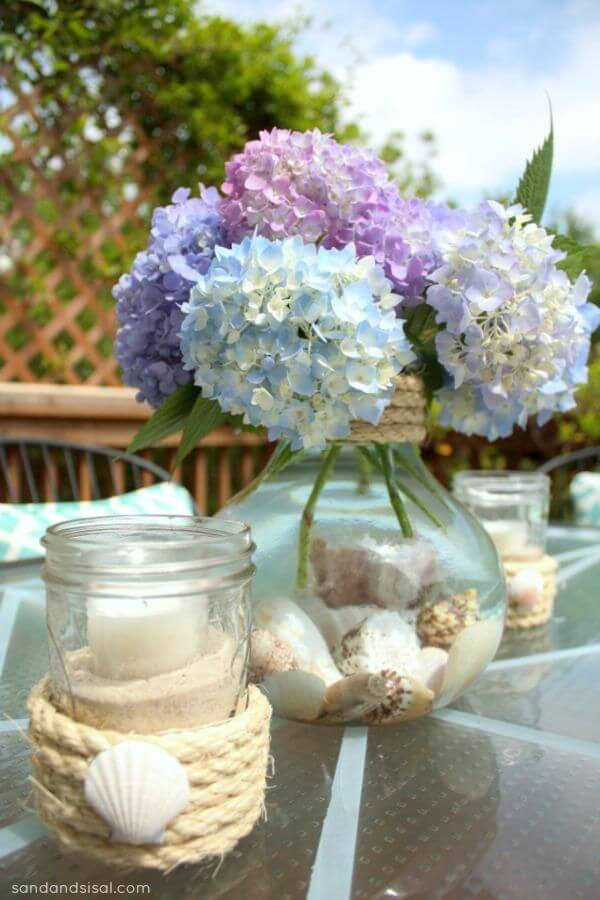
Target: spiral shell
<point>406,699</point>
<point>352,697</point>
<point>439,624</point>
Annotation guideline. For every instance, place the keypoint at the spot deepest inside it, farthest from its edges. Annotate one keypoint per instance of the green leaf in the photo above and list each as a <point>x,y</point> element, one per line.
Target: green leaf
<point>205,416</point>
<point>532,190</point>
<point>168,419</point>
<point>420,325</point>
<point>579,256</point>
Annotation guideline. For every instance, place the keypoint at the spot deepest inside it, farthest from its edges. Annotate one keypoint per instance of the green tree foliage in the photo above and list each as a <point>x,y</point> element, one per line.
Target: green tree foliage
<point>199,86</point>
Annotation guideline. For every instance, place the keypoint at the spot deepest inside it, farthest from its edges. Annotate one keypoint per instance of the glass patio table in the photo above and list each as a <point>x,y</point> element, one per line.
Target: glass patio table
<point>496,797</point>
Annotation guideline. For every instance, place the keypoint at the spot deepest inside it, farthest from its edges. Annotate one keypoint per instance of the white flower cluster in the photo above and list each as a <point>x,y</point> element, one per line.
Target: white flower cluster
<point>297,339</point>
<point>516,332</point>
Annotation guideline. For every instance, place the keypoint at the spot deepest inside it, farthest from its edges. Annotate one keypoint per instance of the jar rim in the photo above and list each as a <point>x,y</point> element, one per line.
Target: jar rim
<point>502,480</point>
<point>194,526</point>
<point>168,549</point>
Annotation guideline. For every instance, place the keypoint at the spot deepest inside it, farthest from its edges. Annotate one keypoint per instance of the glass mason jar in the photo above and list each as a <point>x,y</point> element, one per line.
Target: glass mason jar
<point>349,589</point>
<point>148,620</point>
<point>512,506</point>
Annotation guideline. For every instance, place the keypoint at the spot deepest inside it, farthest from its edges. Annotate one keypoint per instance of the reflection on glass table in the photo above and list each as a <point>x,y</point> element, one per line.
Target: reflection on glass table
<point>494,798</point>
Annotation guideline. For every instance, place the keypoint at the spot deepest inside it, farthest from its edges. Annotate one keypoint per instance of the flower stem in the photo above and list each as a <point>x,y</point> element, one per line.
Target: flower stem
<point>384,452</point>
<point>308,514</point>
<point>364,472</point>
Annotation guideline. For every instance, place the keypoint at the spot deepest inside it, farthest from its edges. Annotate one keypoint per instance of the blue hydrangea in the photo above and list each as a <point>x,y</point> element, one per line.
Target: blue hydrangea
<point>298,339</point>
<point>149,297</point>
<point>516,332</point>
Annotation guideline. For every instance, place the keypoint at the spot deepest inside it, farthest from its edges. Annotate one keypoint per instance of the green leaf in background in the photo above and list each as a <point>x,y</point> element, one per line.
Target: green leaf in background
<point>532,190</point>
<point>579,257</point>
<point>168,419</point>
<point>206,415</point>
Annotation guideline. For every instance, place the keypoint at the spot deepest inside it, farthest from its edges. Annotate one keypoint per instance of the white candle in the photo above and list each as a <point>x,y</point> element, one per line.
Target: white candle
<point>137,637</point>
<point>510,537</point>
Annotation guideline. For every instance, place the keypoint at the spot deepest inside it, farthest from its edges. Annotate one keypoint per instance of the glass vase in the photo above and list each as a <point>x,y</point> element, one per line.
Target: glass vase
<point>376,584</point>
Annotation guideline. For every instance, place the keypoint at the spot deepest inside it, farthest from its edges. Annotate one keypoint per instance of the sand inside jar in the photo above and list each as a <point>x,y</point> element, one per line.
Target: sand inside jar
<point>202,692</point>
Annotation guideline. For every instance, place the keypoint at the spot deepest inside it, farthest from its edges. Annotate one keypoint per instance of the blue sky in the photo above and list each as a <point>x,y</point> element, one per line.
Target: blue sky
<point>474,71</point>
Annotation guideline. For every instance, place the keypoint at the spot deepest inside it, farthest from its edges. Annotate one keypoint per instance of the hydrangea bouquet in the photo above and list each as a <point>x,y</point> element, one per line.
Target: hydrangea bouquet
<point>293,298</point>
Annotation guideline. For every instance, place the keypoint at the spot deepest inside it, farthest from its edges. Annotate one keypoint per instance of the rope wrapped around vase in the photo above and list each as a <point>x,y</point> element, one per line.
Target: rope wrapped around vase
<point>225,764</point>
<point>403,421</point>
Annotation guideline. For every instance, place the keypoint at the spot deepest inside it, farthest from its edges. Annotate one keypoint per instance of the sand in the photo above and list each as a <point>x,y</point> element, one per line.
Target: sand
<point>202,692</point>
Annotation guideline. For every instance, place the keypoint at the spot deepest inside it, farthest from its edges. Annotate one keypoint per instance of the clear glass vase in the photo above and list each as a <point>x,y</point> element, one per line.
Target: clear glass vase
<point>395,607</point>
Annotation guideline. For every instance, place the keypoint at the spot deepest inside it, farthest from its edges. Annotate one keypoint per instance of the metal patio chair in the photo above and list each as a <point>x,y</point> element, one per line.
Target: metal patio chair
<point>37,470</point>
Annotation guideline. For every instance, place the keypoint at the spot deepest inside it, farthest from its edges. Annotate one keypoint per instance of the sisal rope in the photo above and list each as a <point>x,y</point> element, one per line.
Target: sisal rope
<point>402,421</point>
<point>517,617</point>
<point>225,763</point>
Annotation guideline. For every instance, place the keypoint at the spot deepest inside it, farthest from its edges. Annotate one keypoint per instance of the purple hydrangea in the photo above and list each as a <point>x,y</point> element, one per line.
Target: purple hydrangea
<point>516,332</point>
<point>305,183</point>
<point>149,297</point>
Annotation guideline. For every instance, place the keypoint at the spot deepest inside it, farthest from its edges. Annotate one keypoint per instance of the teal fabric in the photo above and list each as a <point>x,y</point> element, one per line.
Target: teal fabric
<point>22,525</point>
<point>585,491</point>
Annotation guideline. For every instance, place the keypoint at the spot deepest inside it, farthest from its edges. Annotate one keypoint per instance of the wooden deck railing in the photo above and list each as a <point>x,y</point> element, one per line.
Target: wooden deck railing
<point>223,462</point>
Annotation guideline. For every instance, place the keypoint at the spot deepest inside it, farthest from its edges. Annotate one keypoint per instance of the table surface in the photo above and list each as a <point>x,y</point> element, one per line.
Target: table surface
<point>496,797</point>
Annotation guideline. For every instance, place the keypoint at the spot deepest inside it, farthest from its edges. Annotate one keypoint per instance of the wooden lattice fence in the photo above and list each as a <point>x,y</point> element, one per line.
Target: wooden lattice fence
<point>73,210</point>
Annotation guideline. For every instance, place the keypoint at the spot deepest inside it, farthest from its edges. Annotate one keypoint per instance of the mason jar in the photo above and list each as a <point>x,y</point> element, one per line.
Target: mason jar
<point>512,506</point>
<point>148,620</point>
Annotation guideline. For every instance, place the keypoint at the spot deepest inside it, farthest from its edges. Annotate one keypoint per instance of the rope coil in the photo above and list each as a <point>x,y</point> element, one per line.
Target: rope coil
<point>532,617</point>
<point>226,765</point>
<point>402,421</point>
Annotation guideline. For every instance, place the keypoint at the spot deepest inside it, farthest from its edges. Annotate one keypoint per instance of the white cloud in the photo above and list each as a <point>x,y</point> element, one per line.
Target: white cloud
<point>486,119</point>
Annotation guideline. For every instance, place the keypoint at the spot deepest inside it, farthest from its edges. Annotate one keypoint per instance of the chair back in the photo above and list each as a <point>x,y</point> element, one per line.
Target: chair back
<point>35,471</point>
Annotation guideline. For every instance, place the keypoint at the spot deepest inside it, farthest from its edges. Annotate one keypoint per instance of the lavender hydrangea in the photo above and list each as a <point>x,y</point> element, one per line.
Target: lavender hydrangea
<point>149,297</point>
<point>516,333</point>
<point>293,183</point>
<point>298,339</point>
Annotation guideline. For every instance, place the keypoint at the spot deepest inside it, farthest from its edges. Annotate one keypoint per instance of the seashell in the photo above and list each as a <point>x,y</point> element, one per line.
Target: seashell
<point>439,623</point>
<point>269,654</point>
<point>383,641</point>
<point>526,589</point>
<point>295,695</point>
<point>406,699</point>
<point>431,665</point>
<point>137,788</point>
<point>468,656</point>
<point>284,618</point>
<point>333,623</point>
<point>372,569</point>
<point>352,697</point>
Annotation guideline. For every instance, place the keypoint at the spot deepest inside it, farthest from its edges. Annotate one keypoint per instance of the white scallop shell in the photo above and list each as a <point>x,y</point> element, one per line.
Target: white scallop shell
<point>289,623</point>
<point>468,656</point>
<point>137,788</point>
<point>295,695</point>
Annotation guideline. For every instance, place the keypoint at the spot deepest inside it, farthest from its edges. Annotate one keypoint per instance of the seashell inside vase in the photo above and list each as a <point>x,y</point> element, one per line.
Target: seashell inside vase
<point>137,788</point>
<point>372,596</point>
